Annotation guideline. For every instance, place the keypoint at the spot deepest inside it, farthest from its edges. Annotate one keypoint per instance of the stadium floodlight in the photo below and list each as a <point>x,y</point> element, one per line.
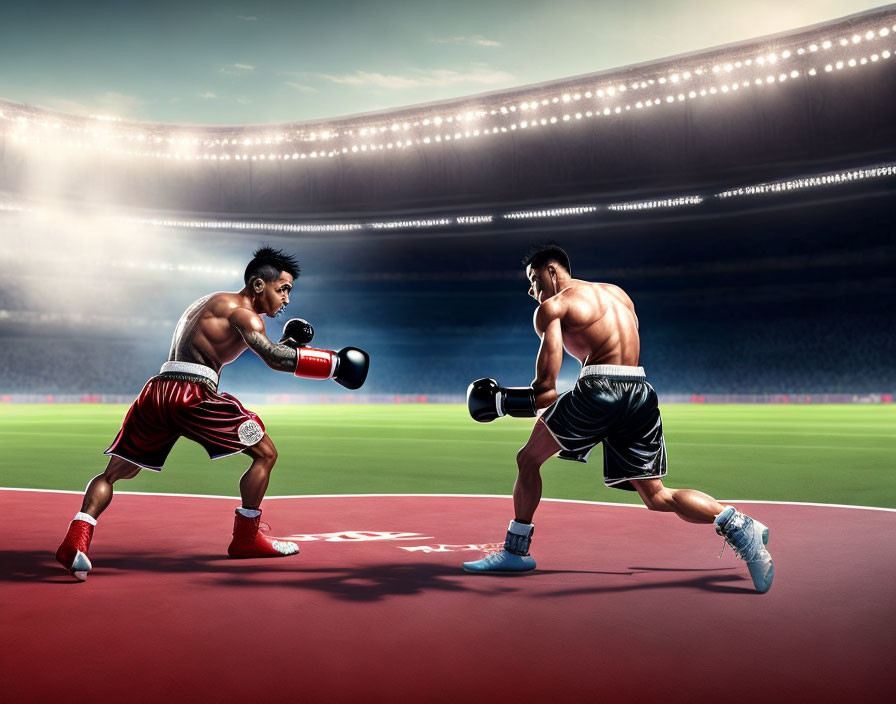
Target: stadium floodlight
<point>30,130</point>
<point>774,187</point>
<point>660,203</point>
<point>837,178</point>
<point>405,224</point>
<point>246,225</point>
<point>551,212</point>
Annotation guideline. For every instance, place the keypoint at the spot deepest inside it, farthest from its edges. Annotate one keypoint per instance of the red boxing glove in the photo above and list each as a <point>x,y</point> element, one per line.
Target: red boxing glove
<point>312,363</point>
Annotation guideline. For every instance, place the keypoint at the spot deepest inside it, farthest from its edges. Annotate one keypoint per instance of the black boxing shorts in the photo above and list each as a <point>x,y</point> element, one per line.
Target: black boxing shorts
<point>614,405</point>
<point>183,401</point>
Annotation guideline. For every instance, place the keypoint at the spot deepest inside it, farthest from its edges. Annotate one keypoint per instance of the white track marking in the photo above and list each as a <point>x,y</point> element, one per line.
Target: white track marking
<point>450,496</point>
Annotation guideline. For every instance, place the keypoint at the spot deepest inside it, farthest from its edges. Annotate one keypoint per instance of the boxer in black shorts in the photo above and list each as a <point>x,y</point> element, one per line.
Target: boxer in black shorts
<point>183,401</point>
<point>611,403</point>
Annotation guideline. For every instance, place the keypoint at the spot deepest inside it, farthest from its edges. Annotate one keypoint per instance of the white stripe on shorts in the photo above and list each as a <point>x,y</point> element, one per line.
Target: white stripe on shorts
<point>613,371</point>
<point>190,368</point>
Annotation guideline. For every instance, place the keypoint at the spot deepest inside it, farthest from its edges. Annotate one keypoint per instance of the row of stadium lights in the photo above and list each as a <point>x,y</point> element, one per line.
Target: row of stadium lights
<point>759,189</point>
<point>839,178</point>
<point>832,179</point>
<point>675,80</point>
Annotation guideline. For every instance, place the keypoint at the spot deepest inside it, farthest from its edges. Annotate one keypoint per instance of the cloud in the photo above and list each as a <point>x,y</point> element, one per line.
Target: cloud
<point>208,95</point>
<point>474,40</point>
<point>247,19</point>
<point>108,103</point>
<point>237,69</point>
<point>301,87</point>
<point>243,100</point>
<point>118,103</point>
<point>420,78</point>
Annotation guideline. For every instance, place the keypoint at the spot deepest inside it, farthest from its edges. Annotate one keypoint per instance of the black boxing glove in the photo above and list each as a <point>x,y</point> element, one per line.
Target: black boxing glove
<point>487,400</point>
<point>297,333</point>
<point>351,370</point>
<point>483,399</point>
<point>347,367</point>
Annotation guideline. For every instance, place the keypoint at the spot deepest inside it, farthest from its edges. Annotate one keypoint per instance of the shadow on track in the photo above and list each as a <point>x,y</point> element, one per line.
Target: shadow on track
<point>707,582</point>
<point>352,583</point>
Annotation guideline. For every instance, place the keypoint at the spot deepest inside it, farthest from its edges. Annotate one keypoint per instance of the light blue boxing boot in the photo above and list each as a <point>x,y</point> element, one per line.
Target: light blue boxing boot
<point>514,557</point>
<point>748,539</point>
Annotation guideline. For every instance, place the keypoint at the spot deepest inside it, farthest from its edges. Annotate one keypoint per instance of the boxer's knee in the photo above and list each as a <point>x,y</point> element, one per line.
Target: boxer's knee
<point>526,462</point>
<point>264,453</point>
<point>655,496</point>
<point>119,468</point>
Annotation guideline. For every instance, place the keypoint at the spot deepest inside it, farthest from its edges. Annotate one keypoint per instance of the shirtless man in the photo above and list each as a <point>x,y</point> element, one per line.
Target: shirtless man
<point>183,400</point>
<point>611,403</point>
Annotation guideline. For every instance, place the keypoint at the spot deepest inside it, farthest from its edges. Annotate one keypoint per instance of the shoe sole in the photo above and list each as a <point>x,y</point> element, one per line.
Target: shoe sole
<point>80,567</point>
<point>771,573</point>
<point>478,571</point>
<point>261,557</point>
<point>767,581</point>
<point>272,554</point>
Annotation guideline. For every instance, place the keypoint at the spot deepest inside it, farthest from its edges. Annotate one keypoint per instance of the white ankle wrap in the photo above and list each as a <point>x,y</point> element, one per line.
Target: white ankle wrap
<point>86,517</point>
<point>523,529</point>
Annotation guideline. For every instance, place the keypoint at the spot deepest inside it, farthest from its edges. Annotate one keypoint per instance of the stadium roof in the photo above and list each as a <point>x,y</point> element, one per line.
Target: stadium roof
<point>748,66</point>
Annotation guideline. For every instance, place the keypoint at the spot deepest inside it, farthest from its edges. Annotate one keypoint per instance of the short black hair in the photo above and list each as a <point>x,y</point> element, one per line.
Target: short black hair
<point>267,263</point>
<point>540,254</point>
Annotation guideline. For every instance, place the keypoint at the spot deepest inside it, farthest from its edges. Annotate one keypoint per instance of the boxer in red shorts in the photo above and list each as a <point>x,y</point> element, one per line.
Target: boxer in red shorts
<point>183,400</point>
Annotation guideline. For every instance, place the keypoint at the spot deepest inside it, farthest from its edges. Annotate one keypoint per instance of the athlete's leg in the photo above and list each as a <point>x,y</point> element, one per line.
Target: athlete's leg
<point>690,505</point>
<point>254,483</point>
<point>515,556</point>
<point>99,490</point>
<point>72,552</point>
<point>746,536</point>
<point>248,540</point>
<point>527,489</point>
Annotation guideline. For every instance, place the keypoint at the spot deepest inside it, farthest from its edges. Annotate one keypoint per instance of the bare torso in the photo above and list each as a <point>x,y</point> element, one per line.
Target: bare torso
<point>204,333</point>
<point>598,323</point>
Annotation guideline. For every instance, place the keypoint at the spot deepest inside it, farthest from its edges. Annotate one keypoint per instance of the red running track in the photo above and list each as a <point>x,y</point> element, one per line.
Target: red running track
<point>626,605</point>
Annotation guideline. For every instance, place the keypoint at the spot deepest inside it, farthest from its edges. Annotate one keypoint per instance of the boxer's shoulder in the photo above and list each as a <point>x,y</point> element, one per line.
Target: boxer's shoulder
<point>246,320</point>
<point>225,301</point>
<point>551,309</point>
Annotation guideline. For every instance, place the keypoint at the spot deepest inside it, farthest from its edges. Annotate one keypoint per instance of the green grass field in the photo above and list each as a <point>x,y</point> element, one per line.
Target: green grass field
<point>830,454</point>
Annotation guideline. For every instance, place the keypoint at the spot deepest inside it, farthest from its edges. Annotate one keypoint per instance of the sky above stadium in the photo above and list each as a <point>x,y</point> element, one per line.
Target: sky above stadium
<point>253,61</point>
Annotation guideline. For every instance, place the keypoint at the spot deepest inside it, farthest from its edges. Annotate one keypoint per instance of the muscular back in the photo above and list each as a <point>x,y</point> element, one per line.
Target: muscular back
<point>598,323</point>
<point>204,333</point>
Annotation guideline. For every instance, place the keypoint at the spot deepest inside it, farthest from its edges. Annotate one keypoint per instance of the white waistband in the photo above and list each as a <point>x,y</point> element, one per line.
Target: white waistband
<point>190,368</point>
<point>613,371</point>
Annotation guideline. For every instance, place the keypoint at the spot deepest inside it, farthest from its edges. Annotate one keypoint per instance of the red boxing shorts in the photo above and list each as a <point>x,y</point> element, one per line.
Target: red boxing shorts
<point>174,405</point>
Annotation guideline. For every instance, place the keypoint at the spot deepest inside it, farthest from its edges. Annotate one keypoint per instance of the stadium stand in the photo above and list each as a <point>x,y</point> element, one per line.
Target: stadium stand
<point>743,196</point>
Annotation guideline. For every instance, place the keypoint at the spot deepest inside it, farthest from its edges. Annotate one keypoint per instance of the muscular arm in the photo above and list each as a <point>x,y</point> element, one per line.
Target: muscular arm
<point>550,354</point>
<point>278,357</point>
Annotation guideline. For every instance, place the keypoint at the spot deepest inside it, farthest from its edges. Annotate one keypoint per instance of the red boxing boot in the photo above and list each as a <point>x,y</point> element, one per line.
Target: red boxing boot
<point>72,554</point>
<point>249,541</point>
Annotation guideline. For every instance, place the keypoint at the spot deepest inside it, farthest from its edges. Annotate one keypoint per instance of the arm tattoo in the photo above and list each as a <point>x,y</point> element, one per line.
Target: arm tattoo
<point>279,357</point>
